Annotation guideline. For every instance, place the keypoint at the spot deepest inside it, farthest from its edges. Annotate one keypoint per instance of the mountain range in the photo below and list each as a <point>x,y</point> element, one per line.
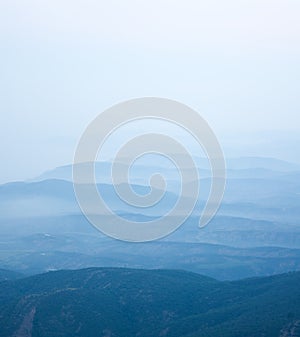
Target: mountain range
<point>255,233</point>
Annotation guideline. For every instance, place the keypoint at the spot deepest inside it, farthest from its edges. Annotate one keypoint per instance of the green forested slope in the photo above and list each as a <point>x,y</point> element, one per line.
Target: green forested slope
<point>127,302</point>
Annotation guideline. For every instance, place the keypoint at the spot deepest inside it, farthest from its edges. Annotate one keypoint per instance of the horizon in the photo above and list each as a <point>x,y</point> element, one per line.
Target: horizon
<point>36,178</point>
<point>235,64</point>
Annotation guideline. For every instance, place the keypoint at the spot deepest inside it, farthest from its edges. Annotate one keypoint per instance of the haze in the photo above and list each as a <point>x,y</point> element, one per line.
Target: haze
<point>63,62</point>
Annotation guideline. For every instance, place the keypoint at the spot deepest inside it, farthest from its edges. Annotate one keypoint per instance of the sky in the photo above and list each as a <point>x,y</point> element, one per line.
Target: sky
<point>63,62</point>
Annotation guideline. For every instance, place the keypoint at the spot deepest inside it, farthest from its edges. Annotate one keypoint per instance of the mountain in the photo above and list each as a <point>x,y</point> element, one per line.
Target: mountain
<point>269,163</point>
<point>56,197</point>
<point>244,166</point>
<point>38,253</point>
<point>126,302</point>
<point>269,199</point>
<point>255,233</point>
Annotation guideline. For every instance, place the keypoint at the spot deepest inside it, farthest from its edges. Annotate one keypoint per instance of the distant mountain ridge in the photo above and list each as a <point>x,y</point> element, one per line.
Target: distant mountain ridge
<point>256,230</point>
<point>237,167</point>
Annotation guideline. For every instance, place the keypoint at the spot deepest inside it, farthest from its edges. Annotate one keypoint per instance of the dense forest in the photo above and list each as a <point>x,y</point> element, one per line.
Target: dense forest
<point>130,302</point>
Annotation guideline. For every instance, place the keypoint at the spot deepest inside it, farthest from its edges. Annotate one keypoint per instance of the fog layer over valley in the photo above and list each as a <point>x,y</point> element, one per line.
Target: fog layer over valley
<point>256,231</point>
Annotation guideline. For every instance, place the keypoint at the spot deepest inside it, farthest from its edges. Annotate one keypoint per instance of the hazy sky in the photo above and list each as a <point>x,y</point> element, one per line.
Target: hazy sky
<point>62,62</point>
